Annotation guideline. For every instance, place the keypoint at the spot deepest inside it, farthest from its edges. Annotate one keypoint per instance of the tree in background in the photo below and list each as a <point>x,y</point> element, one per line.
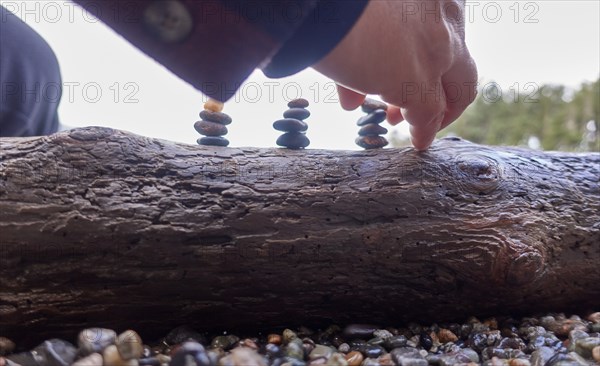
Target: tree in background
<point>550,117</point>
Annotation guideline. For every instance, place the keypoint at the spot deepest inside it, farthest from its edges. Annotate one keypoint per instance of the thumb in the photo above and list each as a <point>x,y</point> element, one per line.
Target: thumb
<point>349,99</point>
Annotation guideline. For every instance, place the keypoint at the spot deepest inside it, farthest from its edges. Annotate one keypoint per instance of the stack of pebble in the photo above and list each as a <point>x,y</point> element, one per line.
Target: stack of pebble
<point>552,340</point>
<point>212,124</point>
<point>370,130</point>
<point>293,125</point>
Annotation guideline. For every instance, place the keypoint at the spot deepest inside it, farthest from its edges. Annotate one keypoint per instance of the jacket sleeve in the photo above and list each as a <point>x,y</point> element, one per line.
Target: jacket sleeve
<point>216,44</point>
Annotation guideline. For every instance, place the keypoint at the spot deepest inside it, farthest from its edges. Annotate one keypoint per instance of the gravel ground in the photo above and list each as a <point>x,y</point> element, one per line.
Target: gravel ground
<point>553,340</point>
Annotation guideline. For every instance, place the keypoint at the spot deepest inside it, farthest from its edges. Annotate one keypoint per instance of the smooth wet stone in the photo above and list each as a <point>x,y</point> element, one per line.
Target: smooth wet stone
<point>576,335</point>
<point>248,343</point>
<point>371,142</point>
<point>344,348</point>
<point>317,361</point>
<point>55,352</point>
<point>225,341</point>
<point>217,117</point>
<point>519,362</point>
<point>425,341</point>
<point>514,343</point>
<point>149,361</point>
<point>408,356</point>
<point>272,350</point>
<point>541,356</point>
<point>213,141</point>
<point>308,348</point>
<point>385,360</point>
<point>320,351</point>
<point>383,334</point>
<point>470,354</point>
<point>94,359</point>
<point>112,357</point>
<point>585,346</point>
<point>287,361</point>
<point>214,355</point>
<point>562,327</point>
<point>546,340</point>
<point>95,340</point>
<point>370,105</point>
<point>532,331</point>
<point>446,335</point>
<point>480,340</point>
<point>372,129</point>
<point>376,341</point>
<point>213,105</point>
<point>354,358</point>
<point>242,356</point>
<point>453,358</point>
<point>290,125</point>
<point>297,113</point>
<point>207,128</point>
<point>6,346</point>
<point>274,338</point>
<point>298,103</point>
<point>373,351</point>
<point>289,335</point>
<point>502,353</point>
<point>130,345</point>
<point>295,349</point>
<point>567,359</point>
<point>190,354</point>
<point>395,342</point>
<point>596,354</point>
<point>182,334</point>
<point>164,358</point>
<point>293,140</point>
<point>359,331</point>
<point>375,117</point>
<point>336,359</point>
<point>22,359</point>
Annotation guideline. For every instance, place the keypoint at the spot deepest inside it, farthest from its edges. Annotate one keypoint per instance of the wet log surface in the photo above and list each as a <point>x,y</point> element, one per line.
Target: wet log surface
<point>100,227</point>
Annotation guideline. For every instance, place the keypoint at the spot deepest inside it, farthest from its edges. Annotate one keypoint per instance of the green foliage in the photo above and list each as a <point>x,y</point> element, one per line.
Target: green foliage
<point>557,118</point>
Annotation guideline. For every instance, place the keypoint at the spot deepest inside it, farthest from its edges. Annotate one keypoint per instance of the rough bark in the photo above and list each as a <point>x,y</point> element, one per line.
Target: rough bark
<point>103,227</point>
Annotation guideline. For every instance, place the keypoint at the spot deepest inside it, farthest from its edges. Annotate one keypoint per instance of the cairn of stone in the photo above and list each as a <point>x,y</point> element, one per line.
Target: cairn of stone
<point>212,124</point>
<point>369,135</point>
<point>293,125</point>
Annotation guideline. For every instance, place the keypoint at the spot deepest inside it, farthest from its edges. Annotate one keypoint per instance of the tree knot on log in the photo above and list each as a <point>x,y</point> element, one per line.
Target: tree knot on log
<point>478,173</point>
<point>525,269</point>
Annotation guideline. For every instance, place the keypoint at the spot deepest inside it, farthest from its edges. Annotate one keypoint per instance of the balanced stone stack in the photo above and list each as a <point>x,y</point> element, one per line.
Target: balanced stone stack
<point>293,125</point>
<point>212,125</point>
<point>370,130</point>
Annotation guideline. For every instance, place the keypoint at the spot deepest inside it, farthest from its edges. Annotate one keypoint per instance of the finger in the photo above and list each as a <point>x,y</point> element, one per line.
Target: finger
<point>460,87</point>
<point>425,110</point>
<point>422,135</point>
<point>394,115</point>
<point>349,99</point>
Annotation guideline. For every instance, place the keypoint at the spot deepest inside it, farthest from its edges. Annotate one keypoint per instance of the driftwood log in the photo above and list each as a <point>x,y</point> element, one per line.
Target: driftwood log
<point>103,227</point>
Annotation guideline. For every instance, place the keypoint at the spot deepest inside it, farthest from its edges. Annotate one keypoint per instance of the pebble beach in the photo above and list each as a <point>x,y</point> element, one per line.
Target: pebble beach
<point>549,340</point>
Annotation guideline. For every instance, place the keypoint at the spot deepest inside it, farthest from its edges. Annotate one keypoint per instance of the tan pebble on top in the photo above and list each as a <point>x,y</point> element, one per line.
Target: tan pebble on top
<point>213,105</point>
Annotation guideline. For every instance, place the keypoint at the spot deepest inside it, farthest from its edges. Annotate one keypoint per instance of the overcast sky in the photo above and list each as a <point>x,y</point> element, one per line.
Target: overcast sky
<point>110,83</point>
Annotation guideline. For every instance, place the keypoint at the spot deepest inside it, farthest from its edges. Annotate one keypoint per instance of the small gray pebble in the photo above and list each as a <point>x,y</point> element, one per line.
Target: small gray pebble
<point>408,356</point>
<point>344,348</point>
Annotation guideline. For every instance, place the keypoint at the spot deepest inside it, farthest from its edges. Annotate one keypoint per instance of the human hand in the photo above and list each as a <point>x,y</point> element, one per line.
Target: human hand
<point>412,54</point>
